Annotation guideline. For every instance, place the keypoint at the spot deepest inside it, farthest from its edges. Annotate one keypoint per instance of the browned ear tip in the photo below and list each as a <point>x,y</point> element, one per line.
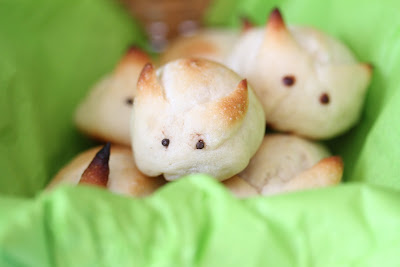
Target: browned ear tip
<point>135,50</point>
<point>275,19</point>
<point>98,170</point>
<point>243,84</point>
<point>146,72</point>
<point>148,67</point>
<point>147,83</point>
<point>370,67</point>
<point>133,56</point>
<point>337,160</point>
<point>246,24</point>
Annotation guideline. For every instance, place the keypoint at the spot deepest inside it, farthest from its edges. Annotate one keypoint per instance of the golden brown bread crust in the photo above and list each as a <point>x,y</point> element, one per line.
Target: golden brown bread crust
<point>147,83</point>
<point>133,57</point>
<point>124,177</point>
<point>234,106</point>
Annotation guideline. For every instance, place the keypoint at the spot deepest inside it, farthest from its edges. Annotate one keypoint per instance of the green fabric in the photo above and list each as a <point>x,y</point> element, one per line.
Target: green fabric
<point>52,51</point>
<point>196,222</point>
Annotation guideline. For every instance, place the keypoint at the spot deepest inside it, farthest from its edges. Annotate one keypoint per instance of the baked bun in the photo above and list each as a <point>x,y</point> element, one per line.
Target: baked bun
<point>213,44</point>
<point>123,177</point>
<point>194,116</point>
<point>287,163</point>
<point>309,83</point>
<point>105,112</point>
<point>239,187</point>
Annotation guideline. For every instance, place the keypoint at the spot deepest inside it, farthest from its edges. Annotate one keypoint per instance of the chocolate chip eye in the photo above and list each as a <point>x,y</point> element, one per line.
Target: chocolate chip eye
<point>129,101</point>
<point>324,99</point>
<point>200,144</point>
<point>165,142</point>
<point>289,80</point>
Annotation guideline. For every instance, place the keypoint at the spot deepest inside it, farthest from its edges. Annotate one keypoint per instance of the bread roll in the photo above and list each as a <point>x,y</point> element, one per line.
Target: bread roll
<point>124,178</point>
<point>239,187</point>
<point>194,116</point>
<point>105,112</point>
<point>213,44</point>
<point>308,82</point>
<point>286,163</point>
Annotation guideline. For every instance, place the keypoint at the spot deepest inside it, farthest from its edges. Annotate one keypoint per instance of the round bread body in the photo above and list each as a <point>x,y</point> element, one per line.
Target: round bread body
<point>124,178</point>
<point>105,112</point>
<point>309,83</point>
<point>195,116</point>
<point>284,163</point>
<point>213,44</point>
<point>240,188</point>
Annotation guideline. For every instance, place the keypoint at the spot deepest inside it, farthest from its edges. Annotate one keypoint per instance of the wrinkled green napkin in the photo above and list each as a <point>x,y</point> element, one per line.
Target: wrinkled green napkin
<point>52,51</point>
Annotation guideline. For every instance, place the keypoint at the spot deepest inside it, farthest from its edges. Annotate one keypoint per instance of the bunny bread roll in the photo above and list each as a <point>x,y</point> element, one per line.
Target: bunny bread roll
<point>194,116</point>
<point>105,112</point>
<point>114,170</point>
<point>309,83</point>
<point>288,163</point>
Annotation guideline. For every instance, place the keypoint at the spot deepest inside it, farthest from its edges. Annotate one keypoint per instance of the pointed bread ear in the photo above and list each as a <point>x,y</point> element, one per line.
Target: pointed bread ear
<point>148,84</point>
<point>326,172</point>
<point>368,67</point>
<point>276,32</point>
<point>221,118</point>
<point>134,57</point>
<point>225,115</point>
<point>98,170</point>
<point>246,24</point>
<point>233,107</point>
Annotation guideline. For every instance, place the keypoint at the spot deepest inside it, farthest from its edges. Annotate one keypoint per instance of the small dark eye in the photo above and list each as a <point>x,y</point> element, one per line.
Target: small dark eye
<point>324,99</point>
<point>200,144</point>
<point>129,101</point>
<point>165,142</point>
<point>289,80</point>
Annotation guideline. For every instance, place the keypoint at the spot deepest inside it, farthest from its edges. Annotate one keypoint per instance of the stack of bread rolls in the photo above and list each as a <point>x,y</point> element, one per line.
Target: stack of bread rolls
<point>204,108</point>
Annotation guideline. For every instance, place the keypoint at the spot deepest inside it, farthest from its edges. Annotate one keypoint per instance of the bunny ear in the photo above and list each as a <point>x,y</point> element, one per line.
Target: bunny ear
<point>134,57</point>
<point>246,24</point>
<point>276,31</point>
<point>148,84</point>
<point>326,172</point>
<point>275,20</point>
<point>98,170</point>
<point>368,67</point>
<point>232,108</point>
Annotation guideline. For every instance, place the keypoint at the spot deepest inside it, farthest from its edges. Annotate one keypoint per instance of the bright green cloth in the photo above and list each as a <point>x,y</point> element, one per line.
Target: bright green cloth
<point>196,222</point>
<point>52,51</point>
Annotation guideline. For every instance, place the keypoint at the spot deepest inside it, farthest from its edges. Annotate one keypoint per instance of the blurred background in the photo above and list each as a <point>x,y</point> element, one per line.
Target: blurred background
<point>165,19</point>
